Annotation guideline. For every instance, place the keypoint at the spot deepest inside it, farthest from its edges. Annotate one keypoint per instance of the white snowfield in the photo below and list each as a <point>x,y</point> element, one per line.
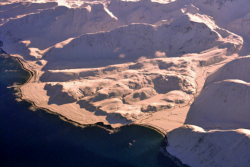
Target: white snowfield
<point>179,65</point>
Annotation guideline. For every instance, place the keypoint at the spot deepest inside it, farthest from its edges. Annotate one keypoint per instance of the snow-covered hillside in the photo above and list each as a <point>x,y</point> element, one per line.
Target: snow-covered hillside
<point>199,147</point>
<point>121,62</point>
<point>236,69</point>
<point>53,25</point>
<point>222,105</point>
<point>182,35</point>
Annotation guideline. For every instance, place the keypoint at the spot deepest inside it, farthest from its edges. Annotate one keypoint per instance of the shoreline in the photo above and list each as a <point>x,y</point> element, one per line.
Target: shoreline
<point>99,124</point>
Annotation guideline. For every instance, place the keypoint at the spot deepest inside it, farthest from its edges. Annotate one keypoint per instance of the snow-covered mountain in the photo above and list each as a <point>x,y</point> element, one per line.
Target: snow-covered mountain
<point>183,35</point>
<point>121,62</point>
<point>51,26</point>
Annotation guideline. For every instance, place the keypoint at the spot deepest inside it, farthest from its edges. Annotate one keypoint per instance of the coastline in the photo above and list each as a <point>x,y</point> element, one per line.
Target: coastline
<point>64,118</point>
<point>156,122</point>
<point>199,81</point>
<point>39,133</point>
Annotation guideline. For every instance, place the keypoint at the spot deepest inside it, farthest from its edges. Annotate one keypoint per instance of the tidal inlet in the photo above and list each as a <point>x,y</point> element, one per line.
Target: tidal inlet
<point>143,83</point>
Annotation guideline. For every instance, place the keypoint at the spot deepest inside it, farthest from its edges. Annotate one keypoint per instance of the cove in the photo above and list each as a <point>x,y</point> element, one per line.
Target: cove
<point>37,138</point>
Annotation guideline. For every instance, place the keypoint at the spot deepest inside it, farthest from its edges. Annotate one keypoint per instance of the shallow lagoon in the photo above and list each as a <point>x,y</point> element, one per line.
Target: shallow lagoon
<point>38,138</point>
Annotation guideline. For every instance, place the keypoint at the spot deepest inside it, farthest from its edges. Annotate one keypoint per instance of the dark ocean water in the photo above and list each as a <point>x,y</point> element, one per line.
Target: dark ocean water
<point>36,138</point>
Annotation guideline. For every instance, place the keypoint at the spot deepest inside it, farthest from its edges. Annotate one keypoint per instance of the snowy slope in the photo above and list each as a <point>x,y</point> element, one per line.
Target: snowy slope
<point>198,147</point>
<point>17,10</point>
<point>223,11</point>
<point>236,69</point>
<point>145,11</point>
<point>222,105</point>
<point>241,26</point>
<point>182,35</point>
<point>51,26</point>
